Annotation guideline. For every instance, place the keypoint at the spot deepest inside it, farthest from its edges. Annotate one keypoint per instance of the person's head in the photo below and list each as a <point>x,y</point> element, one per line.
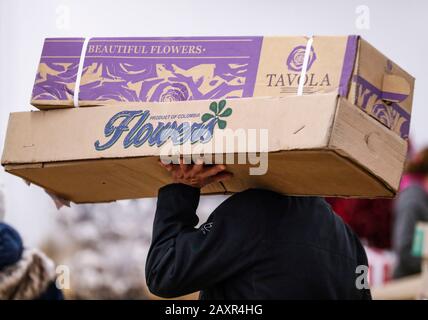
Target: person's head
<point>11,246</point>
<point>418,165</point>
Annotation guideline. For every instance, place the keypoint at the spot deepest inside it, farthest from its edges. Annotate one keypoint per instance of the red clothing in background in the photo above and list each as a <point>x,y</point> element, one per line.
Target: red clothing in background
<point>371,219</point>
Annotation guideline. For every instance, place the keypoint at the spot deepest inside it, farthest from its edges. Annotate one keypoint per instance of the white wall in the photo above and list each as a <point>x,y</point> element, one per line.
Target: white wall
<point>397,28</point>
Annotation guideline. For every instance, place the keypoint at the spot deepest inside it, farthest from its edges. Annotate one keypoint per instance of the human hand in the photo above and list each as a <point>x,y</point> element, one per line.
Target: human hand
<point>196,175</point>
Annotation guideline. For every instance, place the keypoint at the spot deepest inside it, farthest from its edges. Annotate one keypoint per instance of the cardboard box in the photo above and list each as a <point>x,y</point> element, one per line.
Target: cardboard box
<point>202,68</point>
<point>316,144</point>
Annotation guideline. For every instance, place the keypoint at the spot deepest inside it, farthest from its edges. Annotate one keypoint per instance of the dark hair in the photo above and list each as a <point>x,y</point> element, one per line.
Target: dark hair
<point>419,163</point>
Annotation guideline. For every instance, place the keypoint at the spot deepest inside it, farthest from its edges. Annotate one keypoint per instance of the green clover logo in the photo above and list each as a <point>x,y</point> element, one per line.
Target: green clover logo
<point>217,109</point>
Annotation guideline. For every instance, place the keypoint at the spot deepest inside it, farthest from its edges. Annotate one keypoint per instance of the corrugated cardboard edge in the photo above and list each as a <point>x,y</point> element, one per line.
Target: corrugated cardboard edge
<point>15,170</point>
<point>364,135</point>
<point>11,169</point>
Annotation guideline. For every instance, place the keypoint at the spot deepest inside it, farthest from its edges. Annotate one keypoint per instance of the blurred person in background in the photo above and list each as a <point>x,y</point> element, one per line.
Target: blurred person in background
<point>258,244</point>
<point>411,206</point>
<point>370,219</point>
<point>25,274</point>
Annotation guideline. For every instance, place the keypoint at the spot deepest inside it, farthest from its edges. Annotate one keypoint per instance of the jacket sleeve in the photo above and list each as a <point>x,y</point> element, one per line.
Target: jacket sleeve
<point>183,259</point>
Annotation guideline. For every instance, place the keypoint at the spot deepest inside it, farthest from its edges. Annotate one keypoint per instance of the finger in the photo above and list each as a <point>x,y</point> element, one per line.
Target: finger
<point>199,160</point>
<point>184,167</point>
<point>168,166</point>
<point>196,168</point>
<point>194,182</point>
<point>212,171</point>
<point>177,172</point>
<point>222,176</point>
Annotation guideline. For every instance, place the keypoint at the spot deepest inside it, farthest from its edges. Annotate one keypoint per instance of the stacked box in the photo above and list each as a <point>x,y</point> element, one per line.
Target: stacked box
<point>203,68</point>
<point>310,145</point>
<point>226,99</point>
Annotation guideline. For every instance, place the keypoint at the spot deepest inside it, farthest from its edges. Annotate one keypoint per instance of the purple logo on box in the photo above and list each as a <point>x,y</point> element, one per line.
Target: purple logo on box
<point>370,99</point>
<point>296,57</point>
<point>172,92</point>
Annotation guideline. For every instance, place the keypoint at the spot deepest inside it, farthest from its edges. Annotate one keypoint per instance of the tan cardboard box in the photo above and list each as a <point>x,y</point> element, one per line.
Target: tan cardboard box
<point>317,144</point>
<point>211,68</point>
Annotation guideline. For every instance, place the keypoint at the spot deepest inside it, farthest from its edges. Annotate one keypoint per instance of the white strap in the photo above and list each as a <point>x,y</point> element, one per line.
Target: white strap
<point>79,72</point>
<point>304,66</point>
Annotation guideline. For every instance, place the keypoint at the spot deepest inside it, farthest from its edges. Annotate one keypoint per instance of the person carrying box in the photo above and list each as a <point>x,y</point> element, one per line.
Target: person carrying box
<point>257,244</point>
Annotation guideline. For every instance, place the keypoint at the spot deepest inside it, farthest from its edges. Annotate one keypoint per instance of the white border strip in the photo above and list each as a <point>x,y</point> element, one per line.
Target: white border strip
<point>304,66</point>
<point>79,72</point>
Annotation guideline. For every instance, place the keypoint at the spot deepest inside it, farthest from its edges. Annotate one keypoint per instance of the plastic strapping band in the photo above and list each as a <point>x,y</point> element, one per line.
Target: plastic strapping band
<point>79,72</point>
<point>304,66</point>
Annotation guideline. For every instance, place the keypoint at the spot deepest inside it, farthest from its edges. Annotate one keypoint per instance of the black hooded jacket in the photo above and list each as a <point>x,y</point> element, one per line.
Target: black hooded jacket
<point>257,244</point>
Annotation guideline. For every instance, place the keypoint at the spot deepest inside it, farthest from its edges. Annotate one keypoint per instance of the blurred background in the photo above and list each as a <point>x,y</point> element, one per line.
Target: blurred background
<point>105,245</point>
